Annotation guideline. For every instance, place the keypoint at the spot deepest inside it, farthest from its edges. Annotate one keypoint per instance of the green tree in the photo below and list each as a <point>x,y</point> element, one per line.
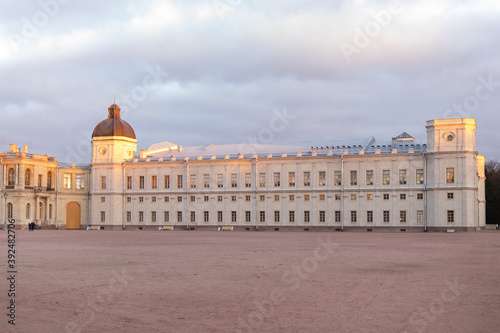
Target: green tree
<point>492,186</point>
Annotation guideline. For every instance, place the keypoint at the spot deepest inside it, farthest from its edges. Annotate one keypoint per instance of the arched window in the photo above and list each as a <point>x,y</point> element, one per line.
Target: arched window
<point>49,179</point>
<point>12,177</point>
<point>27,177</point>
<point>10,210</point>
<point>28,211</point>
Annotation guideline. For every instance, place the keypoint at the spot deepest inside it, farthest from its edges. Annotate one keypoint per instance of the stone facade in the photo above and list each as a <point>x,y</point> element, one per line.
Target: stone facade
<point>399,185</point>
<point>39,189</point>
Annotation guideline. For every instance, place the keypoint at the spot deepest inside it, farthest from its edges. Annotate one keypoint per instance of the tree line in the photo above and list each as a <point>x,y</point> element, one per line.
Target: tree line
<point>492,187</point>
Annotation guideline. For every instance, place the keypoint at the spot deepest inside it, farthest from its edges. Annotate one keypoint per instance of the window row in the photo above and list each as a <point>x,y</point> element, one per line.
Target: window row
<point>277,197</point>
<point>28,179</point>
<point>386,216</point>
<point>277,181</point>
<point>10,211</point>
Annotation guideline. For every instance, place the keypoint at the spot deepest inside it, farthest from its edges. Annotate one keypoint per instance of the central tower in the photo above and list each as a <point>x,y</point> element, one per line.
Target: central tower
<point>113,143</point>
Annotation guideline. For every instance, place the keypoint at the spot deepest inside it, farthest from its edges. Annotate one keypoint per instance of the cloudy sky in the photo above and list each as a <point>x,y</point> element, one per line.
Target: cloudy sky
<point>232,71</point>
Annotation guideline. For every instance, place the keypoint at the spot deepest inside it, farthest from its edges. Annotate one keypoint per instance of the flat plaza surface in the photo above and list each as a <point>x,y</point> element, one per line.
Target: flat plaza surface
<point>197,281</point>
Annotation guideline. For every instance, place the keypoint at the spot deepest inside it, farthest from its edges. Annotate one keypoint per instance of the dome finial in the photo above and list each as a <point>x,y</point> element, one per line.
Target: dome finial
<point>114,111</point>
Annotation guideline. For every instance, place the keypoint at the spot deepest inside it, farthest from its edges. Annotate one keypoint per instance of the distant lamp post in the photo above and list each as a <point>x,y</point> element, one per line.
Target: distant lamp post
<point>5,222</point>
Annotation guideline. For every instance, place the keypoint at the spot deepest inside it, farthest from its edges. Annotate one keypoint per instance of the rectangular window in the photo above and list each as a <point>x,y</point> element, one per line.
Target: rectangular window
<point>276,198</point>
<point>166,181</point>
<point>67,180</point>
<point>291,179</point>
<point>103,199</point>
<point>262,198</point>
<point>153,216</point>
<point>307,178</point>
<point>179,199</point>
<point>193,216</point>
<point>179,181</point>
<point>206,180</point>
<point>450,175</point>
<point>387,216</point>
<point>141,182</point>
<point>386,196</point>
<point>451,216</point>
<point>248,216</point>
<point>141,216</point>
<point>154,182</point>
<point>369,216</point>
<point>103,182</point>
<point>277,180</point>
<point>337,197</point>
<point>369,196</point>
<point>247,198</point>
<point>322,178</point>
<point>262,180</point>
<point>192,181</point>
<point>167,199</point>
<point>338,216</point>
<point>402,216</point>
<point>353,196</point>
<point>166,216</point>
<point>220,180</point>
<point>129,216</point>
<point>291,197</point>
<point>233,198</point>
<point>141,199</point>
<point>40,177</point>
<point>420,216</point>
<point>219,198</point>
<point>369,177</point>
<point>233,216</point>
<point>354,216</point>
<point>219,216</point>
<point>193,198</point>
<point>206,198</point>
<point>402,177</point>
<point>354,178</point>
<point>129,199</point>
<point>307,217</point>
<point>234,180</point>
<point>402,196</point>
<point>386,177</point>
<point>420,196</point>
<point>262,216</point>
<point>420,176</point>
<point>291,216</point>
<point>306,197</point>
<point>248,180</point>
<point>450,195</point>
<point>321,197</point>
<point>80,182</point>
<point>129,182</point>
<point>337,175</point>
<point>206,216</point>
<point>322,216</point>
<point>103,216</point>
<point>179,216</point>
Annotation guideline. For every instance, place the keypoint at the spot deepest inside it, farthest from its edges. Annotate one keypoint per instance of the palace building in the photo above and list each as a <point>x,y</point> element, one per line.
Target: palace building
<point>364,184</point>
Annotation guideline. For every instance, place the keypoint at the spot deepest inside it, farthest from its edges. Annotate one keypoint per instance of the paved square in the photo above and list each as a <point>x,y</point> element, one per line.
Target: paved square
<point>196,281</point>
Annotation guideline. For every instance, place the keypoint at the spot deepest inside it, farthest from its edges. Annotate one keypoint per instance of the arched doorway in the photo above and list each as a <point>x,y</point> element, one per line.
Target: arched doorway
<point>73,216</point>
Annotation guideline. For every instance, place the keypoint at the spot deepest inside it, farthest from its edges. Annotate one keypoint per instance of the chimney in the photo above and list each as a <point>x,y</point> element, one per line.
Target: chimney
<point>13,148</point>
<point>25,149</point>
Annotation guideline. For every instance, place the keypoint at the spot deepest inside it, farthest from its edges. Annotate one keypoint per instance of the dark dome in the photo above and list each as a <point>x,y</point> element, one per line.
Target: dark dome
<point>114,125</point>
